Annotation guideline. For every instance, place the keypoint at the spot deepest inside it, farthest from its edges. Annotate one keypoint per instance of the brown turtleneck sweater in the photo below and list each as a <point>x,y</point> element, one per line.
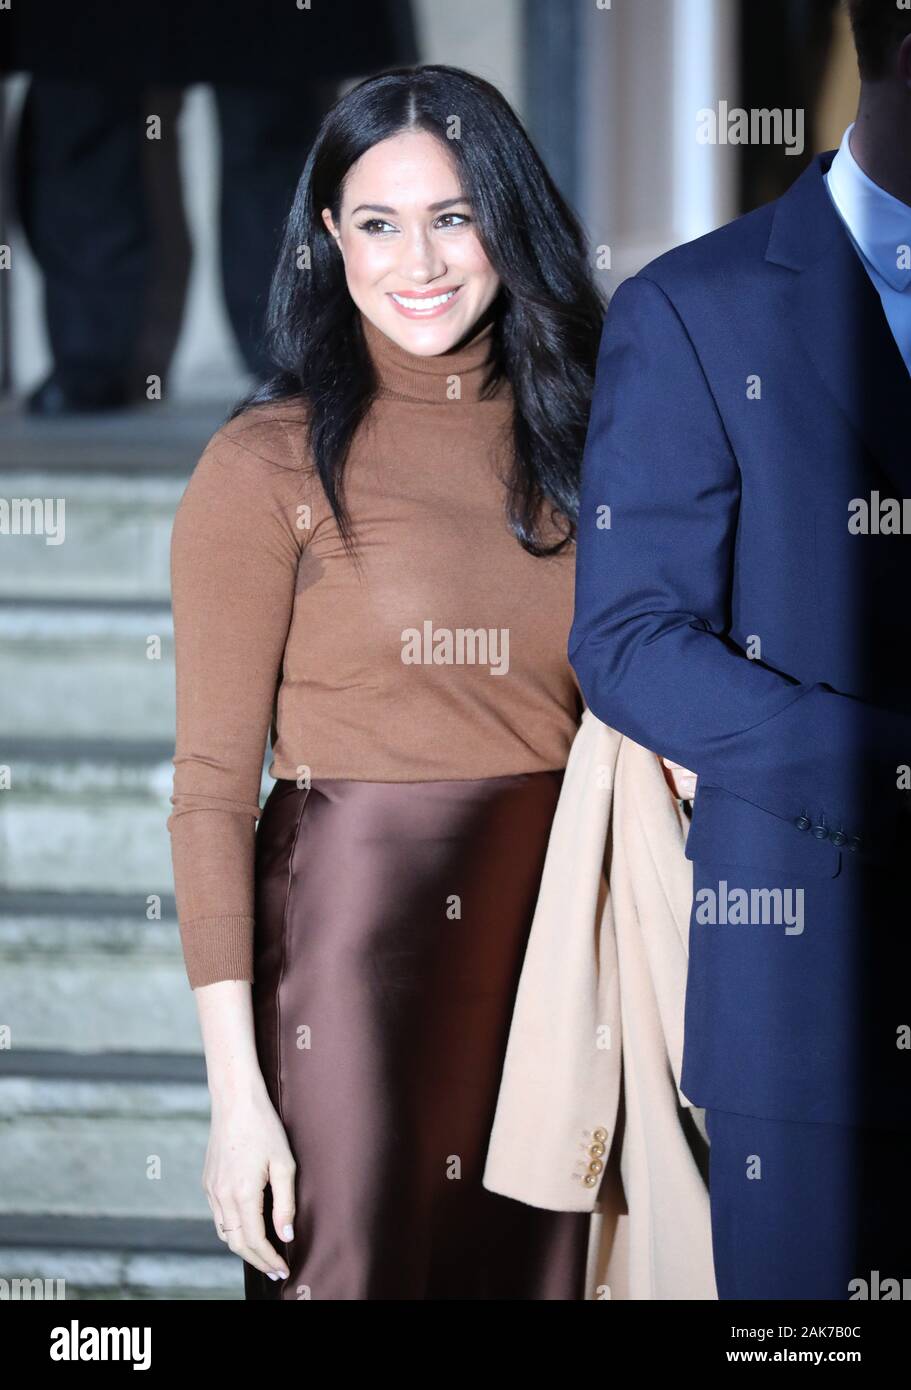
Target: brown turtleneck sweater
<point>443,658</point>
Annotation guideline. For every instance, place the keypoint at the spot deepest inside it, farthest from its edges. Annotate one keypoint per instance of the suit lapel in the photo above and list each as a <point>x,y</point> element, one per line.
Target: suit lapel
<point>839,318</point>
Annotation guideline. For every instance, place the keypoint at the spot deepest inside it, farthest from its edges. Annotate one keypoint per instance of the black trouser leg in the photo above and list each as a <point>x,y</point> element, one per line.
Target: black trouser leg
<point>266,135</point>
<point>82,207</point>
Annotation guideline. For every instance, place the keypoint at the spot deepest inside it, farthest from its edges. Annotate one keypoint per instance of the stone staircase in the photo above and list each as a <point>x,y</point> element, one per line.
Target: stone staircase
<point>103,1101</point>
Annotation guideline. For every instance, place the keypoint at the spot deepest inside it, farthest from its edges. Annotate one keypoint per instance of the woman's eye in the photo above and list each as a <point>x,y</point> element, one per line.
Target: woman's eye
<point>374,225</point>
<point>378,226</point>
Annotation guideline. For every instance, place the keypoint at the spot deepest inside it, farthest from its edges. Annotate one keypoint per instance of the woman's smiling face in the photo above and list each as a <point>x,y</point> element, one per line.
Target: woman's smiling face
<point>414,262</point>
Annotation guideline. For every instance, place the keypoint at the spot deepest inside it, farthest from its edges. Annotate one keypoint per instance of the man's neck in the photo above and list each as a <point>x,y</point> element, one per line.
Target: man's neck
<point>881,149</point>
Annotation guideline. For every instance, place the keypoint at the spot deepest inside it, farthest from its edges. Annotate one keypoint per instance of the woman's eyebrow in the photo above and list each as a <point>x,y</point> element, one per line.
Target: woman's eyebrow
<point>431,207</point>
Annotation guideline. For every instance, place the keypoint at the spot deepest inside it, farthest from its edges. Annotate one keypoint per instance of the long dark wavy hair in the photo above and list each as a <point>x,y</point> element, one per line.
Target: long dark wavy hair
<point>547,315</point>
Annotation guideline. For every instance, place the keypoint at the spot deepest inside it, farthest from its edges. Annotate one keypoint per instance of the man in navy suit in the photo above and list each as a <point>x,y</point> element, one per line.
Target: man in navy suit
<point>743,607</point>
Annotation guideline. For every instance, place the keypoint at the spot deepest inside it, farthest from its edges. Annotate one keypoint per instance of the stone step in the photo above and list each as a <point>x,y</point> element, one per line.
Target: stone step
<point>90,973</point>
<point>86,669</point>
<point>163,438</point>
<point>103,535</point>
<point>90,817</point>
<point>120,476</point>
<point>116,1258</point>
<point>103,1134</point>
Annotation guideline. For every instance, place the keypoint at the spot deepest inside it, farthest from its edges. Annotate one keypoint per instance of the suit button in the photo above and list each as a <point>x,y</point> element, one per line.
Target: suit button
<point>854,843</point>
<point>820,832</point>
<point>802,822</point>
<point>600,1136</point>
<point>838,837</point>
<point>595,1166</point>
<point>597,1150</point>
<point>589,1180</point>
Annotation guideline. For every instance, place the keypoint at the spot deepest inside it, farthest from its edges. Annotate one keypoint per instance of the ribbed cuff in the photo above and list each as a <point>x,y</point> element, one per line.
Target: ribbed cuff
<point>217,948</point>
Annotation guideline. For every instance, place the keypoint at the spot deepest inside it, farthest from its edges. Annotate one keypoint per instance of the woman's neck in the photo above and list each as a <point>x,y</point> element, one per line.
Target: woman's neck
<point>457,375</point>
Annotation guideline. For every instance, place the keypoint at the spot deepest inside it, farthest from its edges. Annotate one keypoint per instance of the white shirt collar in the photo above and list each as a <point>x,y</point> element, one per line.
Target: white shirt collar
<point>879,223</point>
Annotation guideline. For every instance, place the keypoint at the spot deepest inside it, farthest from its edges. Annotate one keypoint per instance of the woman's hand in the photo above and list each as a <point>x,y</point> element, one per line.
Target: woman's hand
<point>681,781</point>
<point>248,1150</point>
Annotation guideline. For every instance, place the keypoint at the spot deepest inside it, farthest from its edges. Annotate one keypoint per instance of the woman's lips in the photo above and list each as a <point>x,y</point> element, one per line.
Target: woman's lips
<point>425,306</point>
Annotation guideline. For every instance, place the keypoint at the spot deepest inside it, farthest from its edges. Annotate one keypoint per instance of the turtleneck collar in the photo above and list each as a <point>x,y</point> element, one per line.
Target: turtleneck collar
<point>410,376</point>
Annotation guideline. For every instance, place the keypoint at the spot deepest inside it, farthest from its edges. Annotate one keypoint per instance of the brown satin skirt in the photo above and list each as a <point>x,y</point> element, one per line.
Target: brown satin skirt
<point>391,922</point>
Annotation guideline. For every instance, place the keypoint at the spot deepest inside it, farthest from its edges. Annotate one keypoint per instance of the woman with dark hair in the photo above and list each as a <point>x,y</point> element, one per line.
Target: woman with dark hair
<point>374,558</point>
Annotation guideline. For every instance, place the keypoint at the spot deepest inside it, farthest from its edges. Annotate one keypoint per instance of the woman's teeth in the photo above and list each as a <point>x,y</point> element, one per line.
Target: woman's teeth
<point>433,303</point>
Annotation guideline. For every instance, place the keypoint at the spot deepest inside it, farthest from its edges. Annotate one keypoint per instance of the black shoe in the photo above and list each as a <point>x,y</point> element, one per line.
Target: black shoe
<point>64,396</point>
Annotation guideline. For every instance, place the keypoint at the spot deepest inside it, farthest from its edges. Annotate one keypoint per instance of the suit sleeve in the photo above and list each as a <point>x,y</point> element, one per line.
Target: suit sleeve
<point>653,591</point>
<point>235,547</point>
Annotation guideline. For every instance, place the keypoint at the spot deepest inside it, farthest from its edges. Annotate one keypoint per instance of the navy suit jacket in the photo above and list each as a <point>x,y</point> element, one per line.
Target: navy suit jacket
<point>748,390</point>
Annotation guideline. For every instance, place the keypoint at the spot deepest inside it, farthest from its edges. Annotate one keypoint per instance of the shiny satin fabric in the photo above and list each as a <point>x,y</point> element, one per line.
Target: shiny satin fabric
<point>391,922</point>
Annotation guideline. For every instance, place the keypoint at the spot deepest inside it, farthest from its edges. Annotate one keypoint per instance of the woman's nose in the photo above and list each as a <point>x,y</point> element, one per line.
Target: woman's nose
<point>422,260</point>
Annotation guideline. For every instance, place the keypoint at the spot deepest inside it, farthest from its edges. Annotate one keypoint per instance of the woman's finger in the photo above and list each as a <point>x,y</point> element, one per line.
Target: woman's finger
<point>217,1213</point>
<point>281,1180</point>
<point>256,1249</point>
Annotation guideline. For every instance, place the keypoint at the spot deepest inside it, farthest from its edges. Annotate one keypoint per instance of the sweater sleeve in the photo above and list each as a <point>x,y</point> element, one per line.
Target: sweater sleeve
<point>236,543</point>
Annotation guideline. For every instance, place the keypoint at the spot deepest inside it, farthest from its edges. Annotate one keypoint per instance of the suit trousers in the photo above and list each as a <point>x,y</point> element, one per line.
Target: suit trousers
<point>808,1211</point>
<point>84,208</point>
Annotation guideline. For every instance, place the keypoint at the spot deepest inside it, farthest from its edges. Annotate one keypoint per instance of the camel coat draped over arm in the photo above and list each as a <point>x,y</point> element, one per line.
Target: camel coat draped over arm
<point>590,1116</point>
